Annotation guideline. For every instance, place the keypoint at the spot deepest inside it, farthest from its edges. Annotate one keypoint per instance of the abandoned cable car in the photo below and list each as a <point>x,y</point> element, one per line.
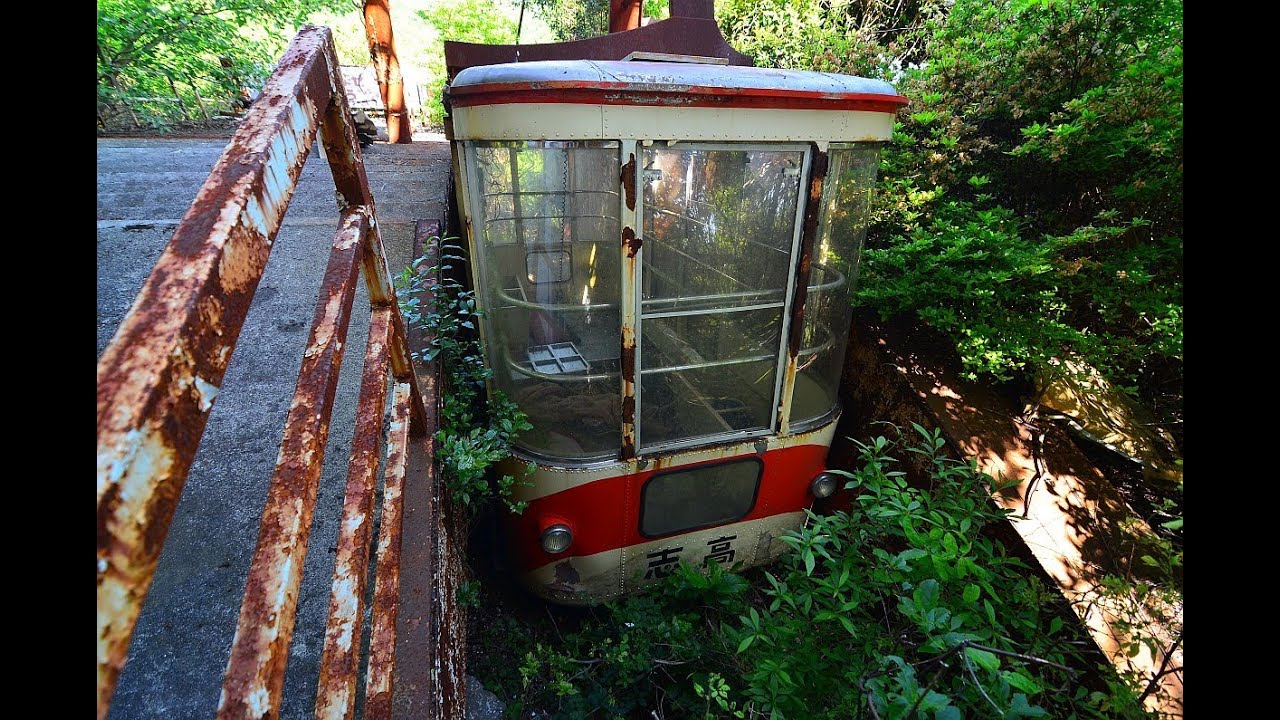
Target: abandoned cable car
<point>664,252</point>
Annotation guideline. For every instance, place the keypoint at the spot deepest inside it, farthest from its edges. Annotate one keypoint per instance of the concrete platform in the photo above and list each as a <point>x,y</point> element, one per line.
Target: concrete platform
<point>183,637</point>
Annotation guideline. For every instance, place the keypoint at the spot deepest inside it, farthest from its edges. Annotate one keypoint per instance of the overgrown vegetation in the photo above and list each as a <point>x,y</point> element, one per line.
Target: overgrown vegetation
<point>186,60</point>
<point>1029,206</point>
<point>476,430</point>
<point>582,19</point>
<point>217,53</point>
<point>901,606</point>
<point>1030,203</point>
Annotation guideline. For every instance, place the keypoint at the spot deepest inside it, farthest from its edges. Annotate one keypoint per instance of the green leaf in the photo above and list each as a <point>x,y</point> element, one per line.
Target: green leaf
<point>926,595</point>
<point>907,555</point>
<point>1020,708</point>
<point>949,544</point>
<point>983,659</point>
<point>1021,682</point>
<point>848,625</point>
<point>971,593</point>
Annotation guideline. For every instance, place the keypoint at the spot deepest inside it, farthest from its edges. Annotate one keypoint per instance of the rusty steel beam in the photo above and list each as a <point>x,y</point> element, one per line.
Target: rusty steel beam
<point>691,34</point>
<point>340,660</point>
<point>382,51</point>
<point>158,379</point>
<point>255,672</point>
<point>342,152</point>
<point>451,625</point>
<point>380,683</point>
<point>418,690</point>
<point>699,9</point>
<point>624,15</point>
<point>402,370</point>
<point>346,162</point>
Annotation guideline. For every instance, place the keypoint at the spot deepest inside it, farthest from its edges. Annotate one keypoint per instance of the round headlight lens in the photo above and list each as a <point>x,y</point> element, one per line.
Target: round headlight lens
<point>556,539</point>
<point>824,485</point>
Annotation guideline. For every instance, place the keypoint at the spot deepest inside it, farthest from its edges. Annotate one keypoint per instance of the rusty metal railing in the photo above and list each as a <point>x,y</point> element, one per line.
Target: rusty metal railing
<point>158,380</point>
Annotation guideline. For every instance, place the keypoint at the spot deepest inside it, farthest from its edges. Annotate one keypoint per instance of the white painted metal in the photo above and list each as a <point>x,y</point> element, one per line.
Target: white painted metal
<point>784,382</point>
<point>669,77</point>
<point>570,121</point>
<point>610,573</point>
<point>630,288</point>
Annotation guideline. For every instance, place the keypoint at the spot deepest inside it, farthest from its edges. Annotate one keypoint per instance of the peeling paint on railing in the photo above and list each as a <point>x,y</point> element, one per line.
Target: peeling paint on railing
<point>161,375</point>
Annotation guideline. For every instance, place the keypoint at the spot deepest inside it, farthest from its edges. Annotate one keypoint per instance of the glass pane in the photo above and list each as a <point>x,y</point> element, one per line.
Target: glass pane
<point>842,226</point>
<point>719,226</point>
<point>699,497</point>
<point>718,223</point>
<point>708,374</point>
<point>547,238</point>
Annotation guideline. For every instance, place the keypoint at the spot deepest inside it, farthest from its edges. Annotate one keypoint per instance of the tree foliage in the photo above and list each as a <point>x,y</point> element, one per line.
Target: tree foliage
<point>574,19</point>
<point>1030,203</point>
<point>167,61</point>
<point>490,22</point>
<point>475,21</point>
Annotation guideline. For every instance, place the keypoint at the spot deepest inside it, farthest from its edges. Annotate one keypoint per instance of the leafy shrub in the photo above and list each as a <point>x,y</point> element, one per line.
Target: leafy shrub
<point>903,605</point>
<point>899,607</point>
<point>1030,201</point>
<point>475,431</point>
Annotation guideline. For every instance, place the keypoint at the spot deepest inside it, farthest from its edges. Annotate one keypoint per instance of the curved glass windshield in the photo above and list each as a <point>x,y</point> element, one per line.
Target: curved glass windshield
<point>842,226</point>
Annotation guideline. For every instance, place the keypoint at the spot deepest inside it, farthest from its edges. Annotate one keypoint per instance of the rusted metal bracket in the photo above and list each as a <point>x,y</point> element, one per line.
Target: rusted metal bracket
<point>691,30</point>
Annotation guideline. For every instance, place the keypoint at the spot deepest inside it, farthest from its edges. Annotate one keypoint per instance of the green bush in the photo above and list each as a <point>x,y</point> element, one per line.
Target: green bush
<point>1030,202</point>
<point>900,606</point>
<point>475,431</point>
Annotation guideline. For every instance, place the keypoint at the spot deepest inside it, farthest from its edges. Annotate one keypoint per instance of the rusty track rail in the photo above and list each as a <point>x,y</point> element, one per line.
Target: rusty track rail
<point>159,378</point>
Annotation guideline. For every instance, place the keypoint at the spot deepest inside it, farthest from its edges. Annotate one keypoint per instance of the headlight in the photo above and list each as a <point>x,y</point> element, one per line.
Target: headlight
<point>556,539</point>
<point>824,485</point>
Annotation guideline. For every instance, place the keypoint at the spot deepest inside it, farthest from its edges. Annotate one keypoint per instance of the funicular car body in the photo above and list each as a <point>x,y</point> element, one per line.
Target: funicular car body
<point>664,252</point>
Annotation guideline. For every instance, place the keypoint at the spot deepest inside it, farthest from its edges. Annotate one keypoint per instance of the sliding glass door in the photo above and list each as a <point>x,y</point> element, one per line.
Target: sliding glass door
<point>721,229</point>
